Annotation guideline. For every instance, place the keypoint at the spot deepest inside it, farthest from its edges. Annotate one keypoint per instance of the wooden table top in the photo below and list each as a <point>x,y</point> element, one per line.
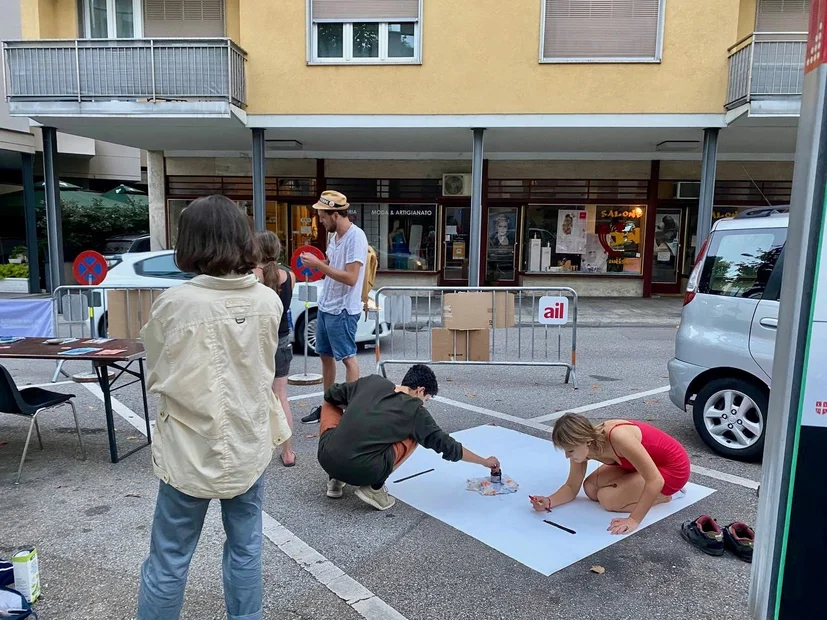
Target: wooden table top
<point>36,348</point>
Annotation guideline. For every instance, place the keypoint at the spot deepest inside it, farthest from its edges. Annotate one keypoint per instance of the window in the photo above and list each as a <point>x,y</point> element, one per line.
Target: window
<point>364,31</point>
<point>404,235</point>
<point>584,239</point>
<point>782,16</point>
<point>739,263</point>
<point>184,18</point>
<point>602,30</point>
<point>161,267</point>
<point>111,19</point>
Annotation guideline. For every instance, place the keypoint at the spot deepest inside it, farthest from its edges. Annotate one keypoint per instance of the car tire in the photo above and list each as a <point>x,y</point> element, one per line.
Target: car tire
<point>299,333</point>
<point>730,415</point>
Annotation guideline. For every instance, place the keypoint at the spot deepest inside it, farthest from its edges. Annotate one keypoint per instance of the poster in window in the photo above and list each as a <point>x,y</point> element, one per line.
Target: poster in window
<point>595,258</point>
<point>571,232</point>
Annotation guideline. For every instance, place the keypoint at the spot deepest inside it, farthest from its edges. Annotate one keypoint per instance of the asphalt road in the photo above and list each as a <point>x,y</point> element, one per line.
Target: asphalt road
<point>91,520</point>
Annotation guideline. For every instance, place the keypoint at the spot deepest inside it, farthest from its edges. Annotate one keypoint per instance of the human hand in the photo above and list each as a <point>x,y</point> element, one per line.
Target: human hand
<point>540,503</point>
<point>491,462</point>
<point>311,260</point>
<point>622,526</point>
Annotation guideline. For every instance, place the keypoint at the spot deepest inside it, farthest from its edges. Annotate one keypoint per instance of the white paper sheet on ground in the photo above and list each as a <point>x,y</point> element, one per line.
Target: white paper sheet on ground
<point>507,522</point>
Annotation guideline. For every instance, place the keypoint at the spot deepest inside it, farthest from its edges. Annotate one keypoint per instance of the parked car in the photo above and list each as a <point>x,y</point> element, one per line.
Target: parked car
<point>124,244</point>
<point>724,348</point>
<point>158,269</point>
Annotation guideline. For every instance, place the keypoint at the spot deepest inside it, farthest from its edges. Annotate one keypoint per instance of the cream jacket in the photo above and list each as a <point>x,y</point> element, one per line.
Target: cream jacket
<point>211,349</point>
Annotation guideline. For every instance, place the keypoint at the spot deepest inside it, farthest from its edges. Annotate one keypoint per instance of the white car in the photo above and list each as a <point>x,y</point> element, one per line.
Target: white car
<point>158,270</point>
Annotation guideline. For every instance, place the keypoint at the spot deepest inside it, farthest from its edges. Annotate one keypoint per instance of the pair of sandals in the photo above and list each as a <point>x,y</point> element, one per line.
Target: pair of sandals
<point>705,534</point>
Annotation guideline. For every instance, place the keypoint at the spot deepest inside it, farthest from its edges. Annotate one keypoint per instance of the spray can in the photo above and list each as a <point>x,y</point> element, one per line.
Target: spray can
<point>26,573</point>
<point>496,475</point>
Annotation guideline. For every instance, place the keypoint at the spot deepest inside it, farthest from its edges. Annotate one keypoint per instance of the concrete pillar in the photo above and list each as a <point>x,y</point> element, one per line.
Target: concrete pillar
<point>475,238</point>
<point>156,180</point>
<point>707,198</point>
<point>54,220</point>
<point>259,174</point>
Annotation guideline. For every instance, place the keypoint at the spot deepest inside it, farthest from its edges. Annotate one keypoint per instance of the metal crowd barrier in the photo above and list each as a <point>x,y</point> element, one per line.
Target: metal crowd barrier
<point>526,343</point>
<point>80,311</point>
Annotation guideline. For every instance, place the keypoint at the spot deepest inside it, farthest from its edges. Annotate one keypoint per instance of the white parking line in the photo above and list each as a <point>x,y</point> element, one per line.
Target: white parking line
<point>605,403</point>
<point>492,413</point>
<point>719,475</point>
<point>354,594</point>
<point>303,396</point>
<point>362,600</point>
<point>48,385</point>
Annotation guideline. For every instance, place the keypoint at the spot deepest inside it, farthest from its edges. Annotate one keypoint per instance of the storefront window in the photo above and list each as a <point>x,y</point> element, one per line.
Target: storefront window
<point>584,239</point>
<point>404,236</point>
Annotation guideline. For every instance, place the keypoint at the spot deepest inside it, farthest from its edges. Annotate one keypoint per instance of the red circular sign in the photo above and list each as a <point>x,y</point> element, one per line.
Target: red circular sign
<point>90,268</point>
<point>302,271</point>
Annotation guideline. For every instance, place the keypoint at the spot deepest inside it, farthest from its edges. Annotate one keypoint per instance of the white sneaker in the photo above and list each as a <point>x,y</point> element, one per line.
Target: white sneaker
<point>379,499</point>
<point>334,488</point>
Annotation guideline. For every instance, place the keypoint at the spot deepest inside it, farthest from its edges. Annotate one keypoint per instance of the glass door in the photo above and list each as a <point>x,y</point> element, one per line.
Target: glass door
<point>455,245</point>
<point>667,262</point>
<point>501,242</point>
<point>305,229</point>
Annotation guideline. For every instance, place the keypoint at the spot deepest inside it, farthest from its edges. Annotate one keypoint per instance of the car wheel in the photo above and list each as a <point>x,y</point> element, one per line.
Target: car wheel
<point>311,332</point>
<point>731,417</point>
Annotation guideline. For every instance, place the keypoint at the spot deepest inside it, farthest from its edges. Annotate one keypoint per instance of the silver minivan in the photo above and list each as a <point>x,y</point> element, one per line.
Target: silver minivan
<point>722,369</point>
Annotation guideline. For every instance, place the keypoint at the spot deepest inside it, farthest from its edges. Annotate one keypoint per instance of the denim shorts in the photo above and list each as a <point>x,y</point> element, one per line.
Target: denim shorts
<point>284,355</point>
<point>336,334</point>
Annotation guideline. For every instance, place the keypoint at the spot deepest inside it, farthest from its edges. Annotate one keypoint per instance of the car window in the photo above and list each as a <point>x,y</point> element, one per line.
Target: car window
<point>739,263</point>
<point>161,267</point>
<point>773,290</point>
<point>141,245</point>
<point>117,246</point>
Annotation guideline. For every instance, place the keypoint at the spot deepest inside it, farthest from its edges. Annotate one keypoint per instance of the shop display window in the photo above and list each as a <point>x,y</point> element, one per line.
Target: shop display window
<point>584,239</point>
<point>403,235</point>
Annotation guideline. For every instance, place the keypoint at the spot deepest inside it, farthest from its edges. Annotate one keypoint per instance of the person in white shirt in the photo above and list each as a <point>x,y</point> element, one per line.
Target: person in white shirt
<point>340,301</point>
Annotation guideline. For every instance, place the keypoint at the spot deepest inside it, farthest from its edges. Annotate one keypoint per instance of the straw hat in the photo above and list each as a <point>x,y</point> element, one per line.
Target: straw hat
<point>332,201</point>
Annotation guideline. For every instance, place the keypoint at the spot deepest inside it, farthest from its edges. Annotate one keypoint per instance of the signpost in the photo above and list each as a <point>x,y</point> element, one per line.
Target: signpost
<point>787,575</point>
<point>90,268</point>
<point>307,294</point>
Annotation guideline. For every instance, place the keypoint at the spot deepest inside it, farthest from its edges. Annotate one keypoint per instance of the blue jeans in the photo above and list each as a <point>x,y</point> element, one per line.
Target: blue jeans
<point>175,532</point>
<point>336,334</point>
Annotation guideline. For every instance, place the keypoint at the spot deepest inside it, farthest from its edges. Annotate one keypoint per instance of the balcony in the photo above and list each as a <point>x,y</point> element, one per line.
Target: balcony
<point>132,77</point>
<point>766,71</point>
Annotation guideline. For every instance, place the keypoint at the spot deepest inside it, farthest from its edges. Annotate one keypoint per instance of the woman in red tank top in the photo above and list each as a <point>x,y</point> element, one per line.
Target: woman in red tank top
<point>642,467</point>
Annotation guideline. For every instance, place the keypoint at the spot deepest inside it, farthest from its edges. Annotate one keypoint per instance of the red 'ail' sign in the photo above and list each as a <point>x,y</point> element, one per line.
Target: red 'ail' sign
<point>553,311</point>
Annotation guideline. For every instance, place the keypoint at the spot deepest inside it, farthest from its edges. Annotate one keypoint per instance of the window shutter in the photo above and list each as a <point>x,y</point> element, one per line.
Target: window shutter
<point>782,16</point>
<point>364,10</point>
<point>601,29</point>
<point>183,18</point>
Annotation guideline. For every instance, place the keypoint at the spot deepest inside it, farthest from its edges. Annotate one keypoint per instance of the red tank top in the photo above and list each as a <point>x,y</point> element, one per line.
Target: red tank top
<point>665,450</point>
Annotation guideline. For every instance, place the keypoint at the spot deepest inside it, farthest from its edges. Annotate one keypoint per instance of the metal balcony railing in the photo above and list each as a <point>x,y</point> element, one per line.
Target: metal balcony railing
<point>764,65</point>
<point>86,70</point>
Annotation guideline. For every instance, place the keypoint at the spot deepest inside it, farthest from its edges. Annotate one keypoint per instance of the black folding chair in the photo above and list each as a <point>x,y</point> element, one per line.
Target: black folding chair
<point>30,402</point>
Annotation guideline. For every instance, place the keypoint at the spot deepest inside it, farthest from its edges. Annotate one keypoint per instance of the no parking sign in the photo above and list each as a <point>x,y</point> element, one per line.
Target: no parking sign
<point>90,268</point>
<point>304,272</point>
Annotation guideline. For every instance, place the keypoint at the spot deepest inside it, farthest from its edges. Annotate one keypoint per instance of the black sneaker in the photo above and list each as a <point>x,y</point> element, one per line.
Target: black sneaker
<point>739,538</point>
<point>705,534</point>
<point>314,416</point>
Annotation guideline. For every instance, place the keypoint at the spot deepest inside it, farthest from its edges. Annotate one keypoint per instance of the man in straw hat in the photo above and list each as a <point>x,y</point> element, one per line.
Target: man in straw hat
<point>340,301</point>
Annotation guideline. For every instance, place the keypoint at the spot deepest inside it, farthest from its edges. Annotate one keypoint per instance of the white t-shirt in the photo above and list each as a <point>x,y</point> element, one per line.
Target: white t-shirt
<point>337,296</point>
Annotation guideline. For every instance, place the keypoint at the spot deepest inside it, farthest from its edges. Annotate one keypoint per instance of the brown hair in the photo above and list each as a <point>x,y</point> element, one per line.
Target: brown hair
<point>573,430</point>
<point>269,248</point>
<point>215,238</point>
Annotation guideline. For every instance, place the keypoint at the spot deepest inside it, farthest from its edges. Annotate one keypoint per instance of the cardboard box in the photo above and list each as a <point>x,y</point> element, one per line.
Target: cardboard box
<point>456,345</point>
<point>475,311</point>
<point>127,311</point>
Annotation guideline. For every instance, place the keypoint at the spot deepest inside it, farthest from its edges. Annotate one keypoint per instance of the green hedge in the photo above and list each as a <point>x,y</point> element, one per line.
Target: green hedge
<point>14,271</point>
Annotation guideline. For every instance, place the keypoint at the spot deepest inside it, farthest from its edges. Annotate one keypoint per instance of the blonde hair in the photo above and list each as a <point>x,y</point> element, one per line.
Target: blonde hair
<point>574,430</point>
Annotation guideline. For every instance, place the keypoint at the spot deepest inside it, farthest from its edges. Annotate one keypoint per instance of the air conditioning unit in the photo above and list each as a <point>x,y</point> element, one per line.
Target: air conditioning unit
<point>456,184</point>
<point>688,190</point>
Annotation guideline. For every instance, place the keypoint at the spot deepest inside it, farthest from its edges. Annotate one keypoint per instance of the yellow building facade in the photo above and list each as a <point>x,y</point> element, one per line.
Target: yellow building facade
<point>590,116</point>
